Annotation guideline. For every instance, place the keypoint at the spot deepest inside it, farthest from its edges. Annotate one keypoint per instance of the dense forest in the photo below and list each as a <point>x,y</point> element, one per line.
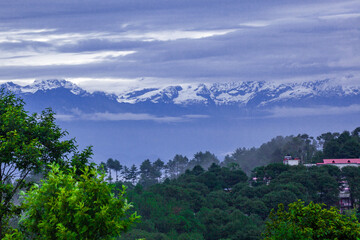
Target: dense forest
<point>204,198</point>
<point>224,203</point>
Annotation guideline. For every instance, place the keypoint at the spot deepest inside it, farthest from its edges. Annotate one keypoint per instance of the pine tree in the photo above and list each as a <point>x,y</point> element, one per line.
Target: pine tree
<point>117,167</point>
<point>110,166</point>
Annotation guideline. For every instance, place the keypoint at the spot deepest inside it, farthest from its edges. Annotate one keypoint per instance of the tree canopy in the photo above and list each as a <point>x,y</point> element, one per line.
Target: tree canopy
<point>67,206</point>
<point>28,142</point>
<point>74,201</point>
<point>312,221</point>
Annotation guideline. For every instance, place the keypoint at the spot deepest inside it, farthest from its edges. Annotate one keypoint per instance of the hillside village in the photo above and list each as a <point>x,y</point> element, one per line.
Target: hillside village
<point>346,201</point>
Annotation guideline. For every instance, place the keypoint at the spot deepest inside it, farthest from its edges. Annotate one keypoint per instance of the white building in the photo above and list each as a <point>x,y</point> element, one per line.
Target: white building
<point>288,160</point>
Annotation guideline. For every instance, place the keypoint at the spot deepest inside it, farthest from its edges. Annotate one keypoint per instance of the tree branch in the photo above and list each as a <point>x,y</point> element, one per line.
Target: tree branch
<point>20,182</point>
<point>9,174</point>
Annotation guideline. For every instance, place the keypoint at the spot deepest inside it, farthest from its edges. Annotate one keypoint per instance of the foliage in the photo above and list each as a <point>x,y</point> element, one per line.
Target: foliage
<point>205,160</point>
<point>66,206</point>
<point>310,222</point>
<point>28,142</point>
<point>352,175</point>
<point>221,202</point>
<point>302,146</point>
<point>103,167</point>
<point>13,234</point>
<point>177,165</point>
<point>194,207</point>
<point>130,174</point>
<point>344,145</point>
<point>112,164</point>
<point>150,173</point>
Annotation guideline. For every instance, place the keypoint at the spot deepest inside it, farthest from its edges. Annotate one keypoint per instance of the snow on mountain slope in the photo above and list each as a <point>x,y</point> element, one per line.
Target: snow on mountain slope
<point>189,95</point>
<point>44,85</point>
<point>240,93</point>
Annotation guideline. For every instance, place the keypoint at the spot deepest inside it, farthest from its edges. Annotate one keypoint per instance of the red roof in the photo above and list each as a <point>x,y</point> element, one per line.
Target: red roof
<point>341,161</point>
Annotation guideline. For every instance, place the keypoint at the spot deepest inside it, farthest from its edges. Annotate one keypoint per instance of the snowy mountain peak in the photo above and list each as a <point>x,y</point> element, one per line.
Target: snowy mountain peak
<point>10,86</point>
<point>240,93</point>
<point>51,83</point>
<point>44,85</point>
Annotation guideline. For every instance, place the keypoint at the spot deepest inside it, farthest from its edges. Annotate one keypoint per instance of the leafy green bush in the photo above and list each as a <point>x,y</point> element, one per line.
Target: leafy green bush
<point>310,222</point>
<point>28,142</point>
<point>67,206</point>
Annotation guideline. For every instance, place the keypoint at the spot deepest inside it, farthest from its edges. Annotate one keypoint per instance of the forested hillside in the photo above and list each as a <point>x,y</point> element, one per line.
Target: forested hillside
<point>223,202</point>
<point>309,149</point>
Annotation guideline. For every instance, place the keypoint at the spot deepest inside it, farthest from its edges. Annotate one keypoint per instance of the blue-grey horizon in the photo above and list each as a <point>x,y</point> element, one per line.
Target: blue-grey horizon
<point>104,45</point>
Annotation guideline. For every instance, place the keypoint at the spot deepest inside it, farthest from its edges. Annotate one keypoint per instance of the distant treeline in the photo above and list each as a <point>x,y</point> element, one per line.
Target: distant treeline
<point>303,146</point>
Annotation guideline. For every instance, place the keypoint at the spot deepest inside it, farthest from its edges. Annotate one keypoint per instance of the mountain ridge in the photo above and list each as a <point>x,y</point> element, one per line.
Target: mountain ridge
<point>242,94</point>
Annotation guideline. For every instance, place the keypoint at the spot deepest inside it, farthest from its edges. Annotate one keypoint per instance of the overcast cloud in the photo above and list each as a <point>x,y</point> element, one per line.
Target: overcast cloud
<point>106,44</point>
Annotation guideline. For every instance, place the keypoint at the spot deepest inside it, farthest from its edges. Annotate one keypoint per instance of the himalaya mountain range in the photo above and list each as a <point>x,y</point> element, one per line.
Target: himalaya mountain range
<point>250,95</point>
<point>159,122</point>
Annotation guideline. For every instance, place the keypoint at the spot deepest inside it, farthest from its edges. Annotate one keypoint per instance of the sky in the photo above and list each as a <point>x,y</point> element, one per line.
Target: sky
<point>117,44</point>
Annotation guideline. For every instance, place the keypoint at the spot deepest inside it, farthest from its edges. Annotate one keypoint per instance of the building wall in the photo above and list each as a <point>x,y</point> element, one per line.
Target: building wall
<point>291,162</point>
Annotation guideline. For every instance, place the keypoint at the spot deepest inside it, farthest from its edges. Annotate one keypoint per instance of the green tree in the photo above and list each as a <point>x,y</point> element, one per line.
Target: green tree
<point>197,170</point>
<point>273,198</point>
<point>70,207</point>
<point>133,173</point>
<point>117,167</point>
<point>252,206</point>
<point>27,143</point>
<point>130,174</point>
<point>103,168</point>
<point>177,165</point>
<point>147,176</point>
<point>327,186</point>
<point>344,145</point>
<point>158,166</point>
<point>352,175</point>
<point>205,160</point>
<point>313,221</point>
<point>126,173</point>
<point>110,166</point>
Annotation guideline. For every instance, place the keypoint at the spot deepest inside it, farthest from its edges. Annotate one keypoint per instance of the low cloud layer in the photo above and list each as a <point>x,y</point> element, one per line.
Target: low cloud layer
<point>107,116</point>
<point>286,112</point>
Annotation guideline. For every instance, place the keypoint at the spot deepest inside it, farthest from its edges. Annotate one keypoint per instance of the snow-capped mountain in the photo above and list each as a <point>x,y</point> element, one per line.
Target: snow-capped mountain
<point>44,85</point>
<point>241,93</point>
<point>245,94</point>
